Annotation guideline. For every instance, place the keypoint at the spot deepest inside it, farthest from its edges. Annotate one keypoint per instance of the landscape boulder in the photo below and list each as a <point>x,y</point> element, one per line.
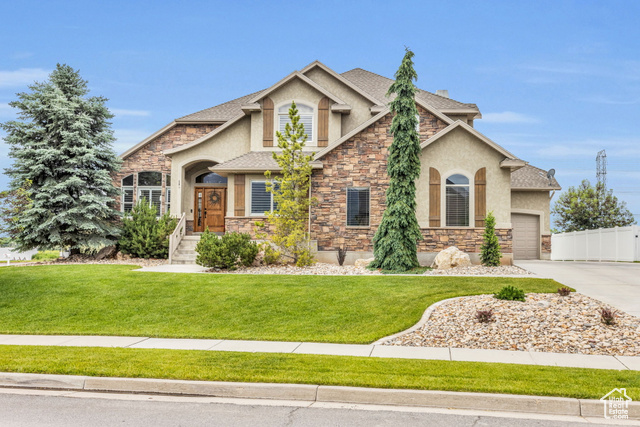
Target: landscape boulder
<point>106,253</point>
<point>450,258</point>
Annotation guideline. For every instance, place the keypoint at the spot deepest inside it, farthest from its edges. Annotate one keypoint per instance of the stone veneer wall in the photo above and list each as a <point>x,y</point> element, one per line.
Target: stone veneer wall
<point>359,162</point>
<point>243,224</point>
<point>466,239</point>
<point>150,157</point>
<point>545,242</point>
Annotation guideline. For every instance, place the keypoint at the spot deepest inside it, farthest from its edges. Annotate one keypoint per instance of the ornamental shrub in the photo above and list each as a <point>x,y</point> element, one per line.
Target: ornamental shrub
<point>510,293</point>
<point>490,250</point>
<point>230,251</point>
<point>144,235</point>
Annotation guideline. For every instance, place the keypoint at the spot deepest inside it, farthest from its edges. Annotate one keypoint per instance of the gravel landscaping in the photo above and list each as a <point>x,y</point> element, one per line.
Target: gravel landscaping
<point>317,269</point>
<point>83,259</point>
<point>480,270</point>
<point>544,322</point>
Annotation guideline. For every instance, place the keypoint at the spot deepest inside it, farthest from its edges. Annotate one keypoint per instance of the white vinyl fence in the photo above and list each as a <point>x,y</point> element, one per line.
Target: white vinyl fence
<point>603,244</point>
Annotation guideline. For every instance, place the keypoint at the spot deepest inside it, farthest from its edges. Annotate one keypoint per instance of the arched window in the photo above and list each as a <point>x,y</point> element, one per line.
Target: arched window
<point>306,118</point>
<point>127,193</point>
<point>150,188</point>
<point>210,178</point>
<point>457,203</point>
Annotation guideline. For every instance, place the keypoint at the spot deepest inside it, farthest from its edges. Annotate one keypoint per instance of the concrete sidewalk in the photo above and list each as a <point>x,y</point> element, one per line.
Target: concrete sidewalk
<point>361,350</point>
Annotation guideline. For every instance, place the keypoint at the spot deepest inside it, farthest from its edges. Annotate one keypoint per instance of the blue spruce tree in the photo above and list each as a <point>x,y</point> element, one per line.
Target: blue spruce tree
<point>62,146</point>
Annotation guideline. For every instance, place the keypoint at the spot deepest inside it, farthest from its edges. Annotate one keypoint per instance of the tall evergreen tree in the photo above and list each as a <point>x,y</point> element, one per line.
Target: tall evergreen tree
<point>62,147</point>
<point>394,244</point>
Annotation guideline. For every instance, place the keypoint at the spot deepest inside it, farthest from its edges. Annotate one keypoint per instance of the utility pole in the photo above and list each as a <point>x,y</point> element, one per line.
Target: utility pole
<point>601,169</point>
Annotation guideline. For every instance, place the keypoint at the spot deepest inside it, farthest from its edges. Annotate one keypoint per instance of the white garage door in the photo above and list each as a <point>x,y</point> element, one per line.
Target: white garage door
<point>526,236</point>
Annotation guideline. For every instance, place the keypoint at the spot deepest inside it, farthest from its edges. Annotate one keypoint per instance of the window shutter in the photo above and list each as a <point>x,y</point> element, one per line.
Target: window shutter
<point>238,195</point>
<point>323,122</point>
<point>434,197</point>
<point>267,122</point>
<point>481,196</point>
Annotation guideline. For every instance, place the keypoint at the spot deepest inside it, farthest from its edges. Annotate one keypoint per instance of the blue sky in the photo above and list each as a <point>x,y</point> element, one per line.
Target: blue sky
<point>556,81</point>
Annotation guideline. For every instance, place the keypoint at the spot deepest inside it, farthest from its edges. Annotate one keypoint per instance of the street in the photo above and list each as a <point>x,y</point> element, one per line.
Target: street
<point>58,408</point>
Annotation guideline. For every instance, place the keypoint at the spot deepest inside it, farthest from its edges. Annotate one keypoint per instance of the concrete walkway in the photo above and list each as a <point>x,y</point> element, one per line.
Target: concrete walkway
<point>361,350</point>
<point>615,283</point>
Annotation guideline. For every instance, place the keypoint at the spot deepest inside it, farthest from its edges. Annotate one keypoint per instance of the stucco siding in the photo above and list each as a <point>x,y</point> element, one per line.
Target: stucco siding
<point>360,111</point>
<point>230,143</point>
<point>534,202</point>
<point>294,90</point>
<point>460,152</point>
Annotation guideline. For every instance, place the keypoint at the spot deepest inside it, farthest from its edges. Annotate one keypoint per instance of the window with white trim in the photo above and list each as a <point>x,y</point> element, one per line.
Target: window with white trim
<point>457,201</point>
<point>127,193</point>
<point>261,199</point>
<point>358,206</point>
<point>306,118</point>
<point>150,188</point>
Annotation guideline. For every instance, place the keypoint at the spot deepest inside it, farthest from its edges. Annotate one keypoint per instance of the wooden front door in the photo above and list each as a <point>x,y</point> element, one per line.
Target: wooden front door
<point>210,208</point>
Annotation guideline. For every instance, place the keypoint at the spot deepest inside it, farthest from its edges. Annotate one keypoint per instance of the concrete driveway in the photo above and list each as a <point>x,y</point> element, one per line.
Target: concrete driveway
<point>615,283</point>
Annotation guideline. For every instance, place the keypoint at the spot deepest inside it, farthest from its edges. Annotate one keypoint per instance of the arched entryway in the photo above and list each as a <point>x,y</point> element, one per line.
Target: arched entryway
<point>204,197</point>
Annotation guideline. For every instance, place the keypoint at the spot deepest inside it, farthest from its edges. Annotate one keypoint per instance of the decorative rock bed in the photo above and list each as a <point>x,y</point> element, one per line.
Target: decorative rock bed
<point>82,259</point>
<point>544,322</point>
<point>480,270</point>
<point>316,269</point>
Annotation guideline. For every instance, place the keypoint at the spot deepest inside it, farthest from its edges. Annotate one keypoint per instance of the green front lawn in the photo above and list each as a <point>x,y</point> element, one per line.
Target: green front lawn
<point>324,370</point>
<point>113,300</point>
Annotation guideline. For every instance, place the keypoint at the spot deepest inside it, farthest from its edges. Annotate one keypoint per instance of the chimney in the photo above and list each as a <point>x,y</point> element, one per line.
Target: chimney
<point>443,93</point>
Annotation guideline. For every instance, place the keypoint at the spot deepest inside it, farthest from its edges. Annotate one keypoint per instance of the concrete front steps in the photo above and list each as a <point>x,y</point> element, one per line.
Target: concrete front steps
<point>186,252</point>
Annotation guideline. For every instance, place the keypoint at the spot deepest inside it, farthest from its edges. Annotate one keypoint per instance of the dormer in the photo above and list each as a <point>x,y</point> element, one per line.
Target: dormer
<point>320,111</point>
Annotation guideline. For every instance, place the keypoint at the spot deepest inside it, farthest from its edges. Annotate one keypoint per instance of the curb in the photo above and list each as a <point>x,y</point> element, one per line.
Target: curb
<point>317,393</point>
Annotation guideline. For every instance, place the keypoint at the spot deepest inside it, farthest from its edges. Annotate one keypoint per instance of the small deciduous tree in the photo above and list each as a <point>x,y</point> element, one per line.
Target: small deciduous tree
<point>587,208</point>
<point>490,250</point>
<point>395,242</point>
<point>290,192</point>
<point>62,145</point>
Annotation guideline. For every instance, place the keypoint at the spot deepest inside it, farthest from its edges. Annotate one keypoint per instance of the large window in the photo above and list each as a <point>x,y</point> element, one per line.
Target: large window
<point>457,203</point>
<point>306,118</point>
<point>150,188</point>
<point>358,206</point>
<point>127,193</point>
<point>261,199</point>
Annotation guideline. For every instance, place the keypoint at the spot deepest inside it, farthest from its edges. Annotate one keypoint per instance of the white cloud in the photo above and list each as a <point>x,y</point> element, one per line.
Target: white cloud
<point>611,101</point>
<point>508,117</point>
<point>127,138</point>
<point>22,77</point>
<point>119,112</point>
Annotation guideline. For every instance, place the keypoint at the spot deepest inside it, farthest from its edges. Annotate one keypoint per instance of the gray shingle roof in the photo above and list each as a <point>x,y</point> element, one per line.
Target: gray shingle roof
<point>377,86</point>
<point>374,84</point>
<point>221,112</point>
<point>256,160</point>
<point>531,177</point>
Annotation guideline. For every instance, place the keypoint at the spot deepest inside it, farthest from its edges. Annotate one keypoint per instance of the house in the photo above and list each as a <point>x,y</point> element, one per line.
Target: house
<point>210,166</point>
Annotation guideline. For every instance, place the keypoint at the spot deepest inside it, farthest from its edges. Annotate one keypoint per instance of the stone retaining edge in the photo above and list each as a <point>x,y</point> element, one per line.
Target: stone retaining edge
<point>421,322</point>
<point>317,393</point>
